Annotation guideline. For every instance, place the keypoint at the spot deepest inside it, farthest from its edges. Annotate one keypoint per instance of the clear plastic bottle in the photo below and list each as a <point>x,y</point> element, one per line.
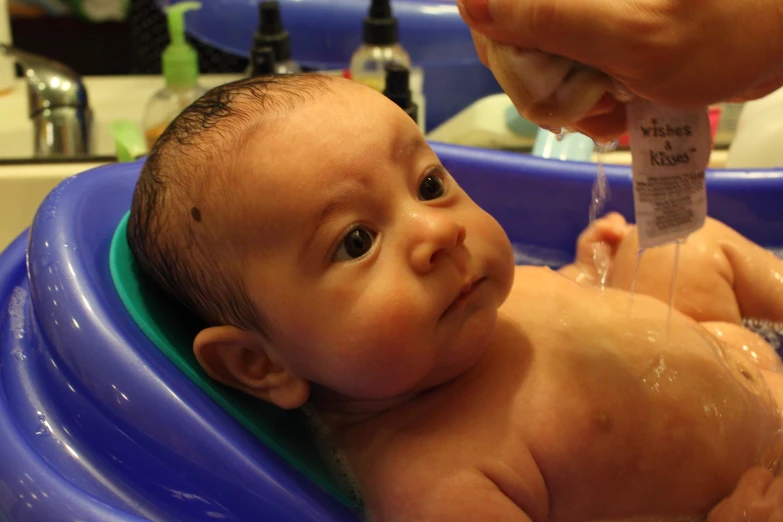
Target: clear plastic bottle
<point>380,47</point>
<point>164,106</point>
<point>180,72</point>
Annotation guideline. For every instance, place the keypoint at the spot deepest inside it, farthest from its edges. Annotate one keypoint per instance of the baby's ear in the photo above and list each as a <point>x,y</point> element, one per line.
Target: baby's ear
<point>240,359</point>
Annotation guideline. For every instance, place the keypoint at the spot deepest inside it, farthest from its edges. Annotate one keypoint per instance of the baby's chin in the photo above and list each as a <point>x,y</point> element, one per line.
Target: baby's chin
<point>471,342</point>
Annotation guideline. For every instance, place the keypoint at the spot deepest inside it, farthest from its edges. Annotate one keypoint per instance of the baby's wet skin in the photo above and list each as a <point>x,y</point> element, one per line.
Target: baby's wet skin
<point>585,409</point>
<point>629,408</point>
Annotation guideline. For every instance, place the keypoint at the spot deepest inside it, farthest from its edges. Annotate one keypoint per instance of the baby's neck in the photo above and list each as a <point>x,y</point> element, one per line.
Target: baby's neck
<point>340,411</point>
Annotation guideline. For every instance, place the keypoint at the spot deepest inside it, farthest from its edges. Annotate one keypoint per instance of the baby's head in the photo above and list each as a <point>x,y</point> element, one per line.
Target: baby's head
<point>307,221</point>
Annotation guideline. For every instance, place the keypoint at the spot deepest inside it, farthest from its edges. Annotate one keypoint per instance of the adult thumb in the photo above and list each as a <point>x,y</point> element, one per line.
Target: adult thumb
<point>582,30</point>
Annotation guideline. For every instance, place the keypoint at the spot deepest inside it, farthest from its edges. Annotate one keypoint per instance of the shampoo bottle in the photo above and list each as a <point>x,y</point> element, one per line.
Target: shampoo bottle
<point>271,35</point>
<point>180,72</point>
<point>379,48</point>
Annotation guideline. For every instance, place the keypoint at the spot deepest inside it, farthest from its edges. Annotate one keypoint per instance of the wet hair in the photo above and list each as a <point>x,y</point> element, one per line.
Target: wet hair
<point>173,237</point>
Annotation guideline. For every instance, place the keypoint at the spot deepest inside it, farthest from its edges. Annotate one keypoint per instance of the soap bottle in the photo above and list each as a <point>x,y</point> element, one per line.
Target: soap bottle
<point>398,90</point>
<point>180,72</point>
<point>271,35</point>
<point>379,47</point>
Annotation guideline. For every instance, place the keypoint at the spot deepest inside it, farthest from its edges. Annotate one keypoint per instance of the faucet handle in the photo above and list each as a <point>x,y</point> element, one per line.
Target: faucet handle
<point>57,103</point>
<point>50,84</point>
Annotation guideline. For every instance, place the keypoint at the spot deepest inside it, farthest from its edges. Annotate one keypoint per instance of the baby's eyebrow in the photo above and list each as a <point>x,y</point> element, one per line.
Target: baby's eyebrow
<point>334,205</point>
<point>410,145</point>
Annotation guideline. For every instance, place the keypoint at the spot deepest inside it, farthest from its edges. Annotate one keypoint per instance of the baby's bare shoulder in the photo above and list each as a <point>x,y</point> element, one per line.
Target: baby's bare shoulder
<point>444,460</point>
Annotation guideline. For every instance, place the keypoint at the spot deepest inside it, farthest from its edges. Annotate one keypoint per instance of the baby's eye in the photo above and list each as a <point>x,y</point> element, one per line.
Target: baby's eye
<point>431,188</point>
<point>354,245</point>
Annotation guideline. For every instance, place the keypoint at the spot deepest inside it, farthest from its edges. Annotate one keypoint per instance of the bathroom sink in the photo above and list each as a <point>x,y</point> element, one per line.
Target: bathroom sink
<point>111,98</point>
<point>22,188</point>
<point>25,181</point>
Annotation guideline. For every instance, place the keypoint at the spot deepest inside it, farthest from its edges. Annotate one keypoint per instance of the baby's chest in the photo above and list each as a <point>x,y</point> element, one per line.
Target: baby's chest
<point>604,438</point>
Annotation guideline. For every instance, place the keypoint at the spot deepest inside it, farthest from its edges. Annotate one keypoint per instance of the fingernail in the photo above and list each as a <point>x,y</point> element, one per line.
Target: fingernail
<point>476,10</point>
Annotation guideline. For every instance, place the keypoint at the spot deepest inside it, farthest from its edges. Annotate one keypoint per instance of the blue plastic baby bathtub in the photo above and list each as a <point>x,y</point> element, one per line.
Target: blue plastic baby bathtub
<point>96,424</point>
<point>325,33</point>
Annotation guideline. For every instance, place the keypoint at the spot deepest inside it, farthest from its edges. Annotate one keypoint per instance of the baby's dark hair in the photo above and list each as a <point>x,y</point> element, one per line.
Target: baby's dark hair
<point>169,234</point>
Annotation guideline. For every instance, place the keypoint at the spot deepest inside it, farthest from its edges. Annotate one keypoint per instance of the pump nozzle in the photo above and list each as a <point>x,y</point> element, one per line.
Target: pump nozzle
<point>180,61</point>
<point>398,84</point>
<point>398,89</point>
<point>271,32</point>
<point>380,9</point>
<point>270,22</point>
<point>380,25</point>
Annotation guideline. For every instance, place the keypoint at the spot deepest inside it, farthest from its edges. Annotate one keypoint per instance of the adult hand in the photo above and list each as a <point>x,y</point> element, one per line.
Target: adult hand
<point>675,52</point>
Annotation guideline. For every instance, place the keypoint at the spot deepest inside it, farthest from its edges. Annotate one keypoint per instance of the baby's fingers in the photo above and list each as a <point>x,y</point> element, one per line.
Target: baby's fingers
<point>757,498</point>
<point>773,500</point>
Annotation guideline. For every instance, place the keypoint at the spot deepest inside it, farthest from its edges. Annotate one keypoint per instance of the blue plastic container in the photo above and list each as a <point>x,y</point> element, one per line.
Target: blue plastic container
<point>97,425</point>
<point>325,33</point>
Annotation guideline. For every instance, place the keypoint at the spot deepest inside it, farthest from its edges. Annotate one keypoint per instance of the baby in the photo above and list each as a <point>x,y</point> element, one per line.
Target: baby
<point>337,263</point>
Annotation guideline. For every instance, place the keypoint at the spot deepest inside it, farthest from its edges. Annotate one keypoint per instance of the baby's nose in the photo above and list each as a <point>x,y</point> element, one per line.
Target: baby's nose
<point>436,237</point>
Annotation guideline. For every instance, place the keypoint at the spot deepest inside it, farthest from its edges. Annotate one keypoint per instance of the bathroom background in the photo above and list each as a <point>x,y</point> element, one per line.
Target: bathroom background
<point>104,37</point>
<point>115,46</point>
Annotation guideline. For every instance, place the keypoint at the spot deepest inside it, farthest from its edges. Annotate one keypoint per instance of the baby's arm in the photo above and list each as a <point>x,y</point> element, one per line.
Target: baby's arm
<point>722,275</point>
<point>758,496</point>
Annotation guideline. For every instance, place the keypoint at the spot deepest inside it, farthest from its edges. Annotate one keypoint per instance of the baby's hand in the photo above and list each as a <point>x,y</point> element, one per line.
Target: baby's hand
<point>607,233</point>
<point>758,497</point>
<point>610,229</point>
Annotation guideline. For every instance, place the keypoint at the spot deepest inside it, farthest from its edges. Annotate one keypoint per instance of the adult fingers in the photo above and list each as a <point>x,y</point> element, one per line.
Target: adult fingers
<point>604,128</point>
<point>549,90</point>
<point>584,30</point>
<point>480,42</point>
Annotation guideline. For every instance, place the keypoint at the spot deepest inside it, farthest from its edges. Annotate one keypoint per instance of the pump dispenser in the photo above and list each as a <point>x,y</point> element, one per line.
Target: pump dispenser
<point>180,73</point>
<point>272,35</point>
<point>379,48</point>
<point>398,89</point>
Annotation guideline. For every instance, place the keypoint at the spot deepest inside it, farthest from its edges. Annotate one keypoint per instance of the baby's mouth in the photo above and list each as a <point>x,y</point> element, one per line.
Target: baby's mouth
<point>465,293</point>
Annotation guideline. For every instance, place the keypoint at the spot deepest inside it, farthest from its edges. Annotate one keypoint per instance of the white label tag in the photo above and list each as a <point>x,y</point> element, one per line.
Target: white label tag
<point>670,151</point>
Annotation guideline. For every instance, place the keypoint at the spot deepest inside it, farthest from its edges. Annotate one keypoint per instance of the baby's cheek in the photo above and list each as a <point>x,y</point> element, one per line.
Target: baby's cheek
<point>396,317</point>
<point>487,233</point>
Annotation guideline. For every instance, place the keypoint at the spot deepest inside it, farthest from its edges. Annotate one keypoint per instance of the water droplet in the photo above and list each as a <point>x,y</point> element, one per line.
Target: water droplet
<point>632,290</point>
<point>43,428</point>
<point>600,195</point>
<point>672,286</point>
<point>16,311</point>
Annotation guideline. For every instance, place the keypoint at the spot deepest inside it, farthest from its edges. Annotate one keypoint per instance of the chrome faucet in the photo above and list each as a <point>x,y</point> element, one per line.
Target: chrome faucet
<point>57,104</point>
